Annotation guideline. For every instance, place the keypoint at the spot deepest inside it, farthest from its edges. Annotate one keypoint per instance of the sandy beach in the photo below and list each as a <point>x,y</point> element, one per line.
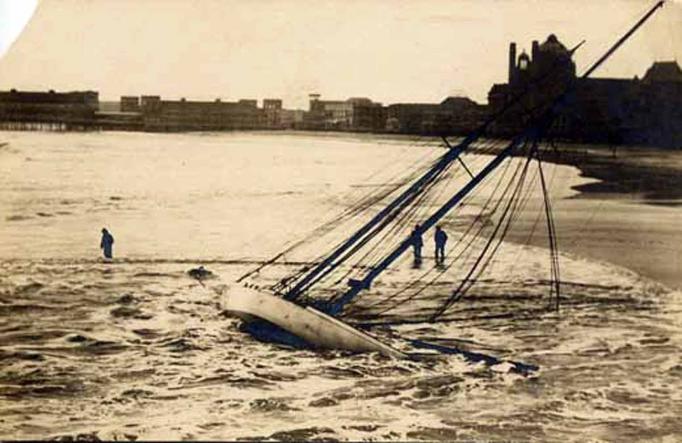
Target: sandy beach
<point>628,212</point>
<point>638,214</point>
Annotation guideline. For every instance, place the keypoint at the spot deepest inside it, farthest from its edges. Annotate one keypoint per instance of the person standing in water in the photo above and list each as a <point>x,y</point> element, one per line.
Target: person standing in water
<point>440,238</point>
<point>107,243</point>
<point>417,244</point>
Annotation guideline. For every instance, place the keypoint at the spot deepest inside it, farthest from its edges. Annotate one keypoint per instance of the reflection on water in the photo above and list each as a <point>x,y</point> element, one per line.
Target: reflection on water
<point>137,349</point>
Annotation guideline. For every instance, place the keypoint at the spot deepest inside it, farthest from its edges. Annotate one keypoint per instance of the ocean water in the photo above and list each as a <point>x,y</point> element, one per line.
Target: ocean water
<point>137,349</point>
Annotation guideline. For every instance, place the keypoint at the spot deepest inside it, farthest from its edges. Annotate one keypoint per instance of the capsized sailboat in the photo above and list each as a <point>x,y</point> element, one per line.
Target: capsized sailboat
<point>293,310</point>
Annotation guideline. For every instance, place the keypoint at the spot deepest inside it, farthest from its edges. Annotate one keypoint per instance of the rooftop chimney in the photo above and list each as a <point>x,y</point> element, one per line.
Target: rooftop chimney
<point>512,61</point>
<point>535,50</point>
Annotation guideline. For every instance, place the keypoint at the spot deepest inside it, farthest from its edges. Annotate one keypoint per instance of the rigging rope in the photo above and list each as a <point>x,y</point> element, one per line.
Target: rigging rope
<point>553,246</point>
<point>467,282</point>
<point>467,246</point>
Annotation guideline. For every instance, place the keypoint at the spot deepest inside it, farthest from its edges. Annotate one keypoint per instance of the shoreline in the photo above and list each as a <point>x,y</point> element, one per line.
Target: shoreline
<point>651,174</point>
<point>629,216</point>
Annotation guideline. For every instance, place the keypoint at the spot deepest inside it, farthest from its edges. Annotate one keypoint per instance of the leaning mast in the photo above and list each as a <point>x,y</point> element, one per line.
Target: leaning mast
<point>534,133</point>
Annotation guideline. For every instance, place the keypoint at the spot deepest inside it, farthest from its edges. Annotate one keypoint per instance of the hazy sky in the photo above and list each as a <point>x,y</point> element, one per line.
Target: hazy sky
<point>13,17</point>
<point>388,50</point>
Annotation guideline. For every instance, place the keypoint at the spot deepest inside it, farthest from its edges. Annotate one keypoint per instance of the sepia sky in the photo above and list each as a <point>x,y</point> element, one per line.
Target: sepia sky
<point>389,50</point>
<point>13,17</point>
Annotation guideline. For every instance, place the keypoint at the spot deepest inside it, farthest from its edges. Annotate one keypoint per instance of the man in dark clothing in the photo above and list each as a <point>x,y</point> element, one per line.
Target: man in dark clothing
<point>107,243</point>
<point>417,245</point>
<point>440,238</point>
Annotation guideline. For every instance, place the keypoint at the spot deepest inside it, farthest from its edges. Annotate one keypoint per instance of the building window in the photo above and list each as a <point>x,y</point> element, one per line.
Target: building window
<point>523,63</point>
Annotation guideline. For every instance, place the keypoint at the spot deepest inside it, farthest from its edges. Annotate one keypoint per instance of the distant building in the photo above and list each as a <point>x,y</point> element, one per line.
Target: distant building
<point>130,104</point>
<point>70,108</point>
<point>461,114</point>
<point>188,115</point>
<point>454,115</point>
<point>273,112</point>
<point>292,118</point>
<point>248,102</point>
<point>150,104</point>
<point>413,118</point>
<point>356,114</point>
<point>329,114</point>
<point>367,115</point>
<point>662,72</point>
<point>599,110</point>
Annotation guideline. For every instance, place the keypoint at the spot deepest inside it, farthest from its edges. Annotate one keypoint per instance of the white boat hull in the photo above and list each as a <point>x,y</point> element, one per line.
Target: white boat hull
<point>316,328</point>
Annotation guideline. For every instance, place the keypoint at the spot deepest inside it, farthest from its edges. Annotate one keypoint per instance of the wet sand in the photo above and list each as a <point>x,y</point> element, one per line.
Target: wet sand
<point>637,218</point>
<point>628,213</point>
<point>651,174</point>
